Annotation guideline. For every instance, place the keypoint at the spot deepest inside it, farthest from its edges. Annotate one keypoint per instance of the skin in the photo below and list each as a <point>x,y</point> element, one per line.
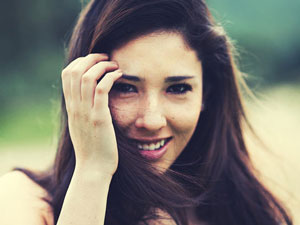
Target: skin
<point>150,107</point>
<point>89,117</point>
<point>153,111</point>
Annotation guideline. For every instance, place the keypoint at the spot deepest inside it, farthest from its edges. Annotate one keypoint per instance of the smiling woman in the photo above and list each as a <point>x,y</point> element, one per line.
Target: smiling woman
<point>151,107</point>
<point>137,144</point>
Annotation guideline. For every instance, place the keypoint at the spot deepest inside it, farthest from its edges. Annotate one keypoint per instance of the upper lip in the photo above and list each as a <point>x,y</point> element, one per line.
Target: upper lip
<point>150,140</point>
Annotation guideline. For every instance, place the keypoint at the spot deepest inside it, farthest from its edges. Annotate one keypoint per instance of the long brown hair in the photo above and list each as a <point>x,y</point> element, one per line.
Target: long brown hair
<point>214,173</point>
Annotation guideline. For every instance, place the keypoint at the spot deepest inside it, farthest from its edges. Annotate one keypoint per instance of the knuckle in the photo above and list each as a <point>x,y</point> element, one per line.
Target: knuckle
<point>76,113</point>
<point>86,117</point>
<point>96,121</point>
<point>74,72</point>
<point>86,79</point>
<point>100,90</point>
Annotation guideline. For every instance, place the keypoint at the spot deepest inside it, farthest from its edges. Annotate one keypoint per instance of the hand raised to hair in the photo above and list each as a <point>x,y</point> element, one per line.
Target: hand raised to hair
<point>89,118</point>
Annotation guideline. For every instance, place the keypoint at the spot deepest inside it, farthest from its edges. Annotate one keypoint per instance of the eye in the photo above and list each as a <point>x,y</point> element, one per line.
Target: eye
<point>124,88</point>
<point>179,89</point>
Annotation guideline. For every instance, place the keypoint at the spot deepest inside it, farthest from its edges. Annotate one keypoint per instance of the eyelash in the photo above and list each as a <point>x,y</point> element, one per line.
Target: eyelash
<point>177,89</point>
<point>124,88</point>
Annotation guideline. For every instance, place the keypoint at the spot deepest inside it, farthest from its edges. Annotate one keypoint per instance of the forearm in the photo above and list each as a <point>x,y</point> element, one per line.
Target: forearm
<point>90,124</point>
<point>86,199</point>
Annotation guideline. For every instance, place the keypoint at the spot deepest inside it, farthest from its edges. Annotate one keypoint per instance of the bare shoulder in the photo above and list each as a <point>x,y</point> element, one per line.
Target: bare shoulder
<point>22,201</point>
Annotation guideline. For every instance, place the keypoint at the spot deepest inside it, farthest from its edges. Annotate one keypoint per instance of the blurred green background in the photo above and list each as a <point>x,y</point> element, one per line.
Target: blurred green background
<point>266,33</point>
<point>34,35</point>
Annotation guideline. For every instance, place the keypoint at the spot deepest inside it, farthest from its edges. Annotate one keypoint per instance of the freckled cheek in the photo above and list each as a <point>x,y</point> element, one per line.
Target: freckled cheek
<point>123,112</point>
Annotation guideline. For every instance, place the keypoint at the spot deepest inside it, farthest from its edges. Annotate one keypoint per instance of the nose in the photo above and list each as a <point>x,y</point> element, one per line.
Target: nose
<point>150,115</point>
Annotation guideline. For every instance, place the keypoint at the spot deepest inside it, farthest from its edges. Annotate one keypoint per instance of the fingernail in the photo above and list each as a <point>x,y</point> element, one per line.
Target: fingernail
<point>114,62</point>
<point>119,71</point>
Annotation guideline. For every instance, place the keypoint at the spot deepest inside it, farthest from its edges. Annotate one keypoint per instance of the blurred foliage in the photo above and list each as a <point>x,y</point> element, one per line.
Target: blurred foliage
<point>267,35</point>
<point>34,35</point>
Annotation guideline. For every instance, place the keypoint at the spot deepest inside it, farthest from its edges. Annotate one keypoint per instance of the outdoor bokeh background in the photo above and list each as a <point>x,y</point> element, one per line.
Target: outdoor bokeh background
<point>266,33</point>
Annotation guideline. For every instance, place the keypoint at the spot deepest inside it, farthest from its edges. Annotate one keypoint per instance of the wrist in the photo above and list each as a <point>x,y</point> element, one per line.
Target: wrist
<point>92,173</point>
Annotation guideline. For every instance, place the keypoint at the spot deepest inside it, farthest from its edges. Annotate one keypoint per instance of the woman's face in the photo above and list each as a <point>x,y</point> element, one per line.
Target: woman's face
<point>157,101</point>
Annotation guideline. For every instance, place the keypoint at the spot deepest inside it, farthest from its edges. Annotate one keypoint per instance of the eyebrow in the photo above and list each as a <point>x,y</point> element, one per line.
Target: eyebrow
<point>177,78</point>
<point>167,79</point>
<point>131,77</point>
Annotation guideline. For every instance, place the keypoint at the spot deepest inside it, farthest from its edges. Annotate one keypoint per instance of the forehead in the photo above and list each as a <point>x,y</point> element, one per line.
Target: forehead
<point>164,52</point>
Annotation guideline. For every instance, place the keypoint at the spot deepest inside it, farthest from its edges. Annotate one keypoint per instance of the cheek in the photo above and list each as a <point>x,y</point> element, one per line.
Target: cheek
<point>122,112</point>
<point>183,127</point>
<point>185,123</point>
<point>184,117</point>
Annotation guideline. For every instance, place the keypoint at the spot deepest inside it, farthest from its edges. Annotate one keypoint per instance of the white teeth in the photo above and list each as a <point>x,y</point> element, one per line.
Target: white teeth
<point>146,147</point>
<point>152,146</point>
<point>157,146</point>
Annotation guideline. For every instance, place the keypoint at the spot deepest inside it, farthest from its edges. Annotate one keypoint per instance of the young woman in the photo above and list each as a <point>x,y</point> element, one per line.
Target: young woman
<point>151,127</point>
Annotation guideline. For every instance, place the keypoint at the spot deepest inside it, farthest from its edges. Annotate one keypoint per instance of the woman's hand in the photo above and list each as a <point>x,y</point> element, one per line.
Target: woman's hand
<point>89,118</point>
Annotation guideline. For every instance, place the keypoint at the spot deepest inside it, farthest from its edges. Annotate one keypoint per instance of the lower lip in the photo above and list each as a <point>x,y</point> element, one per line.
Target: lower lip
<point>155,154</point>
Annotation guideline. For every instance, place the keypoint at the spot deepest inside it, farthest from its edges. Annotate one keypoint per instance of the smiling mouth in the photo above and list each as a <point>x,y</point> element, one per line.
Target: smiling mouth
<point>151,145</point>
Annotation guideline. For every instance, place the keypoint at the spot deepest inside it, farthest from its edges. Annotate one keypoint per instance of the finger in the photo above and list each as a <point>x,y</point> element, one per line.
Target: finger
<point>66,79</point>
<point>73,63</point>
<point>103,88</point>
<point>90,78</point>
<point>66,75</point>
<point>79,69</point>
<point>88,61</point>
